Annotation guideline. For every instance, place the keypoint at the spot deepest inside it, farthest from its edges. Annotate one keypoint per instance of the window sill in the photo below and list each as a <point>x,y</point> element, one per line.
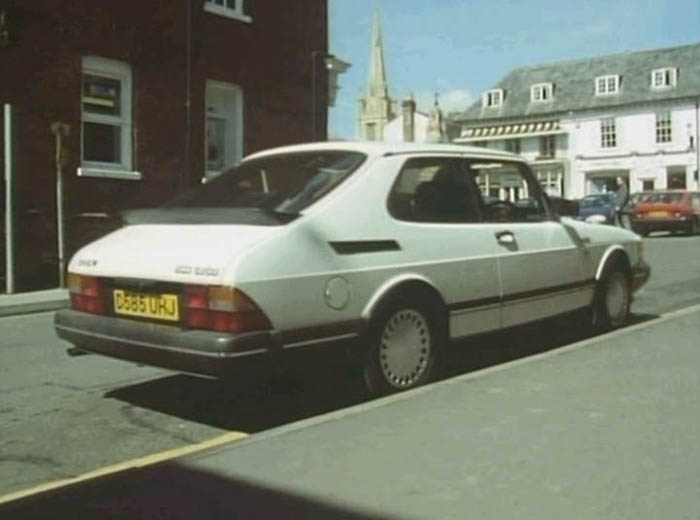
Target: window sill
<point>109,174</point>
<point>226,13</point>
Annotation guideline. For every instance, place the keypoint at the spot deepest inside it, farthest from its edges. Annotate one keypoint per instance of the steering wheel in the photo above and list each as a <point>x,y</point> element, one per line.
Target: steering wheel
<point>501,210</point>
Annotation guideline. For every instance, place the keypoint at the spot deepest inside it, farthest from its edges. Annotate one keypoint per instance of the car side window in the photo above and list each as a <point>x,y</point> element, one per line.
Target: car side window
<point>434,189</point>
<point>509,191</point>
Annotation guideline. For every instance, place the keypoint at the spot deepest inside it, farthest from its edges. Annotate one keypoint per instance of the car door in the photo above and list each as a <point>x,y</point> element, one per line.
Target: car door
<point>541,262</point>
<point>437,210</point>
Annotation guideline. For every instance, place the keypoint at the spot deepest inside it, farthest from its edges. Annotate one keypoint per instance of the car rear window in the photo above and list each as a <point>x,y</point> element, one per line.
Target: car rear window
<point>265,191</point>
<point>662,198</point>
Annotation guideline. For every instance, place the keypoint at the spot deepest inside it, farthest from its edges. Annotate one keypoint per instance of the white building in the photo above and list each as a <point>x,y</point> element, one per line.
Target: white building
<point>583,123</point>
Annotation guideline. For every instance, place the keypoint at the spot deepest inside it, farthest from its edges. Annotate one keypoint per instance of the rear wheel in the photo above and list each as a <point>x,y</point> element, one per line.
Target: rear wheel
<point>693,227</point>
<point>405,338</point>
<point>611,303</point>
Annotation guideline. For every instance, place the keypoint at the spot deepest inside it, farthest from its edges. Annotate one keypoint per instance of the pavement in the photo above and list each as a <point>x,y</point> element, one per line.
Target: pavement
<point>36,301</point>
<point>603,428</point>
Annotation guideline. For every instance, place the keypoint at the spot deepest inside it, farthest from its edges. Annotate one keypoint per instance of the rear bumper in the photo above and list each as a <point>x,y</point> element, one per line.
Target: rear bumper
<point>661,224</point>
<point>640,274</point>
<point>196,351</point>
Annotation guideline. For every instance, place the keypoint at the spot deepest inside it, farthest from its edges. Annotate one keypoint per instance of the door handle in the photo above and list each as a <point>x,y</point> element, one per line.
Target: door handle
<point>505,237</point>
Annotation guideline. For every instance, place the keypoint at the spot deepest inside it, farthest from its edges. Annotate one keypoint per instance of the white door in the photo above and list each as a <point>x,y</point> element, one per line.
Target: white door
<point>542,264</point>
<point>436,205</point>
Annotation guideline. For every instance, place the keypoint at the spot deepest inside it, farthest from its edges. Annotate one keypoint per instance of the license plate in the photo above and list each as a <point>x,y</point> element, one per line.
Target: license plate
<point>658,213</point>
<point>157,306</point>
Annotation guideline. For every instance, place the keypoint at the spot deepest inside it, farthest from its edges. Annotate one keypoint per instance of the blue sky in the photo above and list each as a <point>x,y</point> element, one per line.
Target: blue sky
<point>458,48</point>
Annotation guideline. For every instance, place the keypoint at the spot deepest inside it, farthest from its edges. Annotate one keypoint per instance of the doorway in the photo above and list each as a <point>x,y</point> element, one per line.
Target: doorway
<point>223,141</point>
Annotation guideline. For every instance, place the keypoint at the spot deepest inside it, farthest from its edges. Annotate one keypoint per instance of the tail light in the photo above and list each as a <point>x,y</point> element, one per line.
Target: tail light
<point>223,309</point>
<point>86,293</point>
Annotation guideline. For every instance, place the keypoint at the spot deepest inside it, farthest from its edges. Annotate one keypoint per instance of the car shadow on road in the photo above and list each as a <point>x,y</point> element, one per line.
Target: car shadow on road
<point>254,403</point>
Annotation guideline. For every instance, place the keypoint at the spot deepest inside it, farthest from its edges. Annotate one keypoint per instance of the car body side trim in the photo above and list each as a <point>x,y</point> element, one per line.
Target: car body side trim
<point>353,247</point>
<point>481,303</point>
<point>329,339</point>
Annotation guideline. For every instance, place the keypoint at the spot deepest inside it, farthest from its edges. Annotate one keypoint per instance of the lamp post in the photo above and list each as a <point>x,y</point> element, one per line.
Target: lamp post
<point>328,65</point>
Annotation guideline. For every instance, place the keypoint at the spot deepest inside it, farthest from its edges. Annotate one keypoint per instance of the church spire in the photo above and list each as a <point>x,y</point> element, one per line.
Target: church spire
<point>377,73</point>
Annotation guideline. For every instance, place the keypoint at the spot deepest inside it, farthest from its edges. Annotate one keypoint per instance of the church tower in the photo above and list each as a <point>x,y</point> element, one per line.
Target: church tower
<point>375,108</point>
<point>436,125</point>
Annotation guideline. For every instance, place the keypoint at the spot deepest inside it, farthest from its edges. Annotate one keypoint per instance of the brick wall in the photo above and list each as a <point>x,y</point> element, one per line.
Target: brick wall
<point>270,58</point>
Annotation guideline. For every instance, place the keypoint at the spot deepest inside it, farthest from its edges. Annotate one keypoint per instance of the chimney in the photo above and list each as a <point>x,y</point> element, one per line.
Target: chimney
<point>408,108</point>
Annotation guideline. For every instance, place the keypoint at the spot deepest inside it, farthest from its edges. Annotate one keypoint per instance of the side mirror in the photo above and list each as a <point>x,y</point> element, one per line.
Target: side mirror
<point>564,207</point>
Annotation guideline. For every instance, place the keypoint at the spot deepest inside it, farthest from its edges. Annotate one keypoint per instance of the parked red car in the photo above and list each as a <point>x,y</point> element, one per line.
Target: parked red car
<point>671,210</point>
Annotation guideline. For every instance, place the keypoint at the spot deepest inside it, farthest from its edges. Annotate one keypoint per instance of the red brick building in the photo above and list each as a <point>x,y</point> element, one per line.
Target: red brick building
<point>157,95</point>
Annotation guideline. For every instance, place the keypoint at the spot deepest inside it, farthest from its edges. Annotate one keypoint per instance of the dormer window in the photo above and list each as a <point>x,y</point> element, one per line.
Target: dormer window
<point>541,92</point>
<point>492,98</point>
<point>663,78</point>
<point>607,85</point>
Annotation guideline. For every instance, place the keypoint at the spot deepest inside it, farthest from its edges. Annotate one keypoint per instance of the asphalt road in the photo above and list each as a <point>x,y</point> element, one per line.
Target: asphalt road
<point>62,416</point>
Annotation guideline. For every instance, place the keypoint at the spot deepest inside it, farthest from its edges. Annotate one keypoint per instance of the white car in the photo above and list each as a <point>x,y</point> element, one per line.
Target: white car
<point>390,250</point>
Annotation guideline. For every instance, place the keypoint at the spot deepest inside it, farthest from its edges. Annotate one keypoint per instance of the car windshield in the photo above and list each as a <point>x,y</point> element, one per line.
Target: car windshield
<point>661,198</point>
<point>266,191</point>
<point>594,201</point>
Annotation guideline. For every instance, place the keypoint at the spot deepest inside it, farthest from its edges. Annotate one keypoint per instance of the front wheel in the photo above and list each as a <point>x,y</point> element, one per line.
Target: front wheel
<point>611,303</point>
<point>404,341</point>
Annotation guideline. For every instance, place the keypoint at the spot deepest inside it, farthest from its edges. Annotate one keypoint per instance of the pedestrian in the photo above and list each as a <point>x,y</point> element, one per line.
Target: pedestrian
<point>621,200</point>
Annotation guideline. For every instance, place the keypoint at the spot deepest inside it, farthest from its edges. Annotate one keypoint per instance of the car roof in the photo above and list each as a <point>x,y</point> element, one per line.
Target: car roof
<point>374,148</point>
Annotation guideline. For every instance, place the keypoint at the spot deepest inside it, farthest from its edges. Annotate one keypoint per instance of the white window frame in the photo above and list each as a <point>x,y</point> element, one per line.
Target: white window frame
<point>117,70</point>
<point>541,92</point>
<point>607,85</point>
<point>220,7</point>
<point>493,98</point>
<point>664,127</point>
<point>663,78</point>
<point>608,133</point>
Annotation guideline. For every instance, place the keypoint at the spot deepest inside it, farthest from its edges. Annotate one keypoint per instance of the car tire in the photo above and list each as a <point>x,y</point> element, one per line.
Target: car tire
<point>405,337</point>
<point>612,299</point>
<point>693,228</point>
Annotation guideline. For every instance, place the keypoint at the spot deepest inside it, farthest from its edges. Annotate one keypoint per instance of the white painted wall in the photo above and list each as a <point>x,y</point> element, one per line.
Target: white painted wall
<point>393,131</point>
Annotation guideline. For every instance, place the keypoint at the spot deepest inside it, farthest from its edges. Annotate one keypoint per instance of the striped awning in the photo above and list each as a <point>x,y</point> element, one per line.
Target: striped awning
<point>510,131</point>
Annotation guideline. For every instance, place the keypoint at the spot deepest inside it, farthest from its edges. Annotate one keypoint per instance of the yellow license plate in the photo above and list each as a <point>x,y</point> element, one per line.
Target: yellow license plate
<point>158,306</point>
<point>658,213</point>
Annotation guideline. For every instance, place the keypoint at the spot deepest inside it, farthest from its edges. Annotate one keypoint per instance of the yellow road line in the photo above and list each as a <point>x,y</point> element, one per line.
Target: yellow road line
<point>139,462</point>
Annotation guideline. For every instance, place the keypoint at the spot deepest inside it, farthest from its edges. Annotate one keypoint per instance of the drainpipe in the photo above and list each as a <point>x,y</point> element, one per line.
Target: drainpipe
<point>184,181</point>
<point>60,130</point>
<point>9,235</point>
<point>697,145</point>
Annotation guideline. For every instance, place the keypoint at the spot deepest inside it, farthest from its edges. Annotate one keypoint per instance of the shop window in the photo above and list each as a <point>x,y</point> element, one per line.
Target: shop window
<point>675,178</point>
<point>547,146</point>
<point>106,134</point>
<point>512,145</point>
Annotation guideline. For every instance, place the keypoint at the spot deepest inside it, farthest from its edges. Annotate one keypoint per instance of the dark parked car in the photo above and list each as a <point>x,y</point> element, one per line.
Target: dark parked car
<point>598,208</point>
<point>672,210</point>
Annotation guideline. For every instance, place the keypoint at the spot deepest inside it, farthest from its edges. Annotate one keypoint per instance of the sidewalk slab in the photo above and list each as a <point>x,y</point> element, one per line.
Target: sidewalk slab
<point>36,301</point>
<point>606,428</point>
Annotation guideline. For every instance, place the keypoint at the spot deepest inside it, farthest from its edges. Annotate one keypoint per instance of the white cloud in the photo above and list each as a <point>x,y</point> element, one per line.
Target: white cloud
<point>454,100</point>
